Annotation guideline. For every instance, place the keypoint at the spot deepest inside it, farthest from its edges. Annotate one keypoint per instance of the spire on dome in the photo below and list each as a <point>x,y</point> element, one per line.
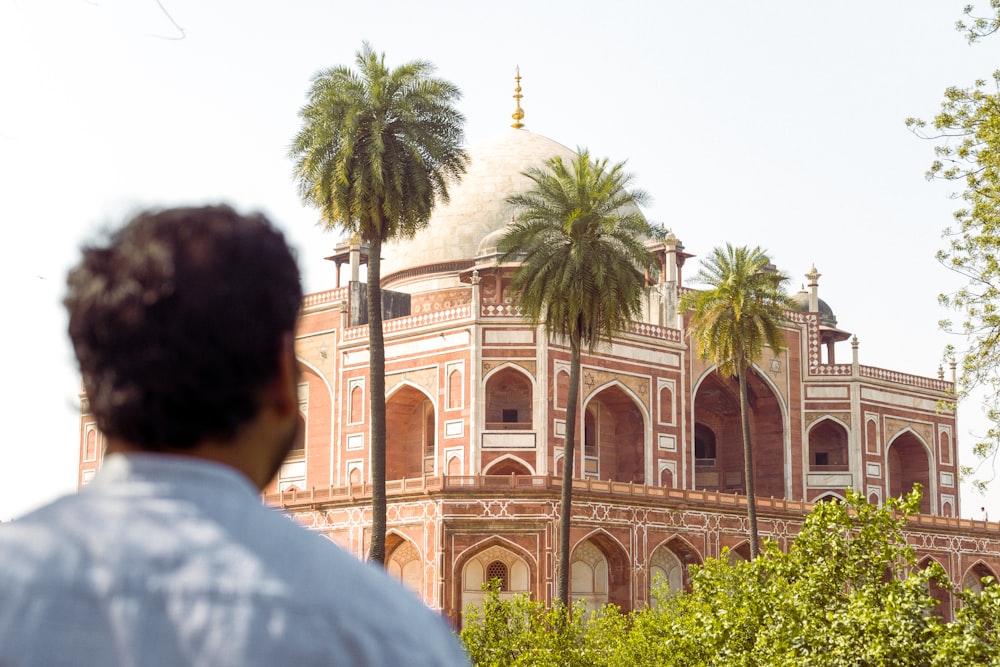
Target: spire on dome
<point>518,112</point>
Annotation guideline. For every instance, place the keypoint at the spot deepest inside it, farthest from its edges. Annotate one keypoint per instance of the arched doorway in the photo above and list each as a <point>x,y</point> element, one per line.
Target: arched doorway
<point>828,447</point>
<point>938,592</point>
<point>410,434</point>
<point>404,563</point>
<point>614,437</point>
<point>510,569</point>
<point>600,573</point>
<point>669,566</point>
<point>508,401</point>
<point>908,465</point>
<point>718,436</point>
<point>973,579</point>
<point>508,466</point>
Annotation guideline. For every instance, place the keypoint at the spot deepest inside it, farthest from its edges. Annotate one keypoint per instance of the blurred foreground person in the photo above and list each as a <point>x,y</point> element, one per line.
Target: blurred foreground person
<point>183,325</point>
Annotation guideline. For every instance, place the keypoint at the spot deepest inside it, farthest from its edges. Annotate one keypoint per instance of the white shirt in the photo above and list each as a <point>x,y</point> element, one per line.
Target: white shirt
<point>169,560</point>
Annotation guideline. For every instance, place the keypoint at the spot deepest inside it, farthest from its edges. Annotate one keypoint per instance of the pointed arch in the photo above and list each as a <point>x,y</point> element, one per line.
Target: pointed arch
<point>908,461</point>
<point>740,552</point>
<point>871,436</point>
<point>316,409</point>
<point>716,406</point>
<point>670,559</point>
<point>471,567</point>
<point>828,448</point>
<point>562,388</point>
<point>601,571</point>
<point>508,464</point>
<point>830,497</point>
<point>974,575</point>
<point>411,431</point>
<point>617,432</point>
<point>404,563</point>
<point>938,592</point>
<point>509,390</point>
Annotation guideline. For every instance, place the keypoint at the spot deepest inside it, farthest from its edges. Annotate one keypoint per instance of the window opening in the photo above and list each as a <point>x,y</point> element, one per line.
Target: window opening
<point>498,570</point>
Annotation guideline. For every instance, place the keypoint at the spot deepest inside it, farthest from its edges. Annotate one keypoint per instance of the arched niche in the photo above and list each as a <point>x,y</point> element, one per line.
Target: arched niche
<point>614,436</point>
<point>404,563</point>
<point>411,434</point>
<point>740,553</point>
<point>717,410</point>
<point>828,450</point>
<point>908,464</point>
<point>508,465</point>
<point>938,592</point>
<point>973,579</point>
<point>508,400</point>
<point>601,573</point>
<point>490,560</point>
<point>669,564</point>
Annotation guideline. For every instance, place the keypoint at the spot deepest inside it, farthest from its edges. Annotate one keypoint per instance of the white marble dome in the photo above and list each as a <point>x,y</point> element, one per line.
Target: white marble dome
<point>478,203</point>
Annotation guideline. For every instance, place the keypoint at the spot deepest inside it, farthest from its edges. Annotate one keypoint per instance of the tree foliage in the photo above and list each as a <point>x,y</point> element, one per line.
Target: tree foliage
<point>578,235</point>
<point>967,130</point>
<point>849,592</point>
<point>740,311</point>
<point>377,150</point>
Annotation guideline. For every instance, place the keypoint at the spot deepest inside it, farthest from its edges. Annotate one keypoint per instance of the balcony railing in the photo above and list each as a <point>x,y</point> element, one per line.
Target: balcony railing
<point>508,426</point>
<point>550,485</point>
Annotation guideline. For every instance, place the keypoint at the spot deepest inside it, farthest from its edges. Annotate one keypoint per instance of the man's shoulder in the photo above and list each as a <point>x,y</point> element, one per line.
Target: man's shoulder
<point>249,562</point>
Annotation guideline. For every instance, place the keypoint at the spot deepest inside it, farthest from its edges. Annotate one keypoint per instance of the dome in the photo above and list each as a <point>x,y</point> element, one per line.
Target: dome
<point>478,204</point>
<point>488,246</point>
<point>826,316</point>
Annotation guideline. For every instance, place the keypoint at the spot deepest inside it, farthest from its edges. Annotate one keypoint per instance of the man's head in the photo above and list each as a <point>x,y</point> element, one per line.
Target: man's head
<point>181,322</point>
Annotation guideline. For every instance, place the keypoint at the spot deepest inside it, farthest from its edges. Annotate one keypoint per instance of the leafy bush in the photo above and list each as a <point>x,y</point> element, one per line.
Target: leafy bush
<point>849,592</point>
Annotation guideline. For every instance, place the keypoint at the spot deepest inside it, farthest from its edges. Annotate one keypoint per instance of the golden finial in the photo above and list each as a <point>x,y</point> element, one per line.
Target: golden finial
<point>518,113</point>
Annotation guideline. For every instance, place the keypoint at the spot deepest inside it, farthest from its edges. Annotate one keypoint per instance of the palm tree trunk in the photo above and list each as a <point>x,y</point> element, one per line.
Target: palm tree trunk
<point>748,464</point>
<point>376,399</point>
<point>566,504</point>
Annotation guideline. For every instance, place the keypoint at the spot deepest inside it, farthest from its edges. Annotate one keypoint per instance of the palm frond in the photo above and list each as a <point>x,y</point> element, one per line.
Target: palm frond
<point>578,235</point>
<point>740,311</point>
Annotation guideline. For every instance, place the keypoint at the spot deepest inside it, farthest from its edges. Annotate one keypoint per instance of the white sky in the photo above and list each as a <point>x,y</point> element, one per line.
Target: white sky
<point>777,122</point>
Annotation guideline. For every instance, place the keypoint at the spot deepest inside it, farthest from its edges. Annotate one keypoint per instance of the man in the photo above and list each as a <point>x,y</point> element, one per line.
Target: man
<point>183,325</point>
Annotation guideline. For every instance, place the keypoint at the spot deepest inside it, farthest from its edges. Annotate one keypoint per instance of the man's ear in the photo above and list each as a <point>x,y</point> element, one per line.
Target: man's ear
<point>284,388</point>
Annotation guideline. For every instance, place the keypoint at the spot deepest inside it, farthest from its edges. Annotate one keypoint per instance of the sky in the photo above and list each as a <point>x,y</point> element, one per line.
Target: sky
<point>777,123</point>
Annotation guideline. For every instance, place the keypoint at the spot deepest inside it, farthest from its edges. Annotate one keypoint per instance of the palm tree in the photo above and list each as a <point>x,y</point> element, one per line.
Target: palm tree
<point>578,236</point>
<point>740,312</point>
<point>377,149</point>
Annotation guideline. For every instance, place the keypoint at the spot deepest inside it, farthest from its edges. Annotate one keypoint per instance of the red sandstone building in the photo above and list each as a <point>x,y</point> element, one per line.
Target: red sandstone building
<point>476,406</point>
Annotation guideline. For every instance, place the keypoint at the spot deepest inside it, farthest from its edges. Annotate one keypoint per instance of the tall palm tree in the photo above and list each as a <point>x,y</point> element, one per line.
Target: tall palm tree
<point>578,236</point>
<point>740,312</point>
<point>377,149</point>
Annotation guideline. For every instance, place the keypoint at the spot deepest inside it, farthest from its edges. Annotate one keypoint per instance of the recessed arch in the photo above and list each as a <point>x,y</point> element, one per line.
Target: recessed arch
<point>830,497</point>
<point>562,388</point>
<point>828,445</point>
<point>908,462</point>
<point>671,559</point>
<point>509,392</point>
<point>944,445</point>
<point>601,572</point>
<point>470,568</point>
<point>508,464</point>
<point>615,434</point>
<point>938,592</point>
<point>411,431</point>
<point>404,562</point>
<point>740,553</point>
<point>973,578</point>
<point>639,403</point>
<point>716,406</point>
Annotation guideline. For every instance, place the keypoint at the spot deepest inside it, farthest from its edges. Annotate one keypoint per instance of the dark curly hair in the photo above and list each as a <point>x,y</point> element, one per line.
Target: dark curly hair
<point>178,323</point>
